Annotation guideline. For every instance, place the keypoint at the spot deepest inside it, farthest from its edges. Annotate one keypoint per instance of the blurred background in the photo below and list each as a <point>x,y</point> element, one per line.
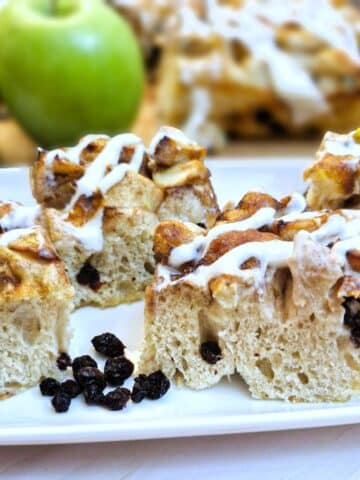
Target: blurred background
<point>230,73</point>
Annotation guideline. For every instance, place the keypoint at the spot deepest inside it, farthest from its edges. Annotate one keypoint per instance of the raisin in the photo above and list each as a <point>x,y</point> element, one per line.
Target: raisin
<point>89,277</point>
<point>352,313</point>
<point>61,402</point>
<point>117,399</point>
<point>88,375</point>
<point>49,387</point>
<point>355,336</point>
<point>81,362</point>
<point>210,352</point>
<point>352,319</point>
<point>140,388</point>
<point>108,344</point>
<point>63,361</point>
<point>158,385</point>
<point>117,370</point>
<point>93,394</point>
<point>71,388</point>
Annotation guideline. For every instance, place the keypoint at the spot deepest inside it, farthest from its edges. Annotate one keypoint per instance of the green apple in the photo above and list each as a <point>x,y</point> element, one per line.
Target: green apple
<point>68,67</point>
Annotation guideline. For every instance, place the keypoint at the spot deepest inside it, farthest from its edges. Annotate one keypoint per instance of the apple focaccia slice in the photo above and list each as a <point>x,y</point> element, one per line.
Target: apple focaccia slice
<point>271,293</point>
<point>106,196</point>
<point>220,81</point>
<point>35,302</point>
<point>149,20</point>
<point>335,175</point>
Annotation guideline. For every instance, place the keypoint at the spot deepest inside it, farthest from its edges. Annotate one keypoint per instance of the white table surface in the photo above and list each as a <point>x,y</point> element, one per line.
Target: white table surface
<point>328,453</point>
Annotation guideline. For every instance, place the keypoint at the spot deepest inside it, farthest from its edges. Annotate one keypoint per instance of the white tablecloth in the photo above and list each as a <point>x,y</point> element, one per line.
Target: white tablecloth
<point>320,454</point>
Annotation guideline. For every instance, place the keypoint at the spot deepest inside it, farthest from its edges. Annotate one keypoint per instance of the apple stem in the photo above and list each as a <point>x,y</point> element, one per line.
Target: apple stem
<point>53,6</point>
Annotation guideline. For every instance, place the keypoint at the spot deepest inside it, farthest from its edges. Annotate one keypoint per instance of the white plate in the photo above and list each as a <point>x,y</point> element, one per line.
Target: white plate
<point>28,418</point>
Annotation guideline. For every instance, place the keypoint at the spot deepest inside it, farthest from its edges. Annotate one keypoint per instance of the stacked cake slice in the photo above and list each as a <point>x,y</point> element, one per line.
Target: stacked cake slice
<point>103,199</point>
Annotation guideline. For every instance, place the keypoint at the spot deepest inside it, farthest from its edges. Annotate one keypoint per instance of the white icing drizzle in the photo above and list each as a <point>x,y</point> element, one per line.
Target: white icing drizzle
<point>96,174</point>
<point>90,234</point>
<point>340,249</point>
<point>168,132</point>
<point>19,217</point>
<point>341,145</point>
<point>102,174</point>
<point>195,250</point>
<point>342,230</point>
<point>296,204</point>
<point>13,235</point>
<point>253,24</point>
<point>72,154</point>
<point>19,222</point>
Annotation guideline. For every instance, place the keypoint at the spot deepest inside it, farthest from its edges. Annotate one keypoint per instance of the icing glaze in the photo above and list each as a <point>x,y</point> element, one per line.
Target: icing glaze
<point>195,250</point>
<point>168,132</point>
<point>19,217</point>
<point>102,174</point>
<point>254,24</point>
<point>341,233</point>
<point>13,235</point>
<point>341,145</point>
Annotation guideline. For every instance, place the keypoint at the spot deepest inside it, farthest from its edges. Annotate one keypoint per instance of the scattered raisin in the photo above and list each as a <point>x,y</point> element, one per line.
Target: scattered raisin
<point>352,319</point>
<point>71,388</point>
<point>140,388</point>
<point>108,344</point>
<point>117,399</point>
<point>352,313</point>
<point>49,387</point>
<point>89,277</point>
<point>355,336</point>
<point>210,352</point>
<point>61,402</point>
<point>81,362</point>
<point>117,370</point>
<point>88,375</point>
<point>93,394</point>
<point>63,361</point>
<point>158,385</point>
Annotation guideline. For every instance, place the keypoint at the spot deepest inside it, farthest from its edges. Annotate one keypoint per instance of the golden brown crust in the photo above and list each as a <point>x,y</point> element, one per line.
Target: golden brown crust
<point>227,241</point>
<point>334,176</point>
<point>353,257</point>
<point>30,267</point>
<point>171,234</point>
<point>250,203</point>
<point>338,172</point>
<point>168,152</point>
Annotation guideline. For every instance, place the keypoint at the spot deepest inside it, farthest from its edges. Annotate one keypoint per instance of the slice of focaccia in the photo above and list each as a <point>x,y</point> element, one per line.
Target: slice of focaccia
<point>260,68</point>
<point>271,292</point>
<point>103,199</point>
<point>335,175</point>
<point>36,300</point>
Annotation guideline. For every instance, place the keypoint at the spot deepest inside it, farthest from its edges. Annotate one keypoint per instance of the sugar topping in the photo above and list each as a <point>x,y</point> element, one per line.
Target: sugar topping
<point>104,172</point>
<point>254,23</point>
<point>168,132</point>
<point>340,232</point>
<point>341,145</point>
<point>20,221</point>
<point>19,217</point>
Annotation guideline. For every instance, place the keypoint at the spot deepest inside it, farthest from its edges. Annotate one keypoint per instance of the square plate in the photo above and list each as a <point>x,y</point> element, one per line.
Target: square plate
<point>28,418</point>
